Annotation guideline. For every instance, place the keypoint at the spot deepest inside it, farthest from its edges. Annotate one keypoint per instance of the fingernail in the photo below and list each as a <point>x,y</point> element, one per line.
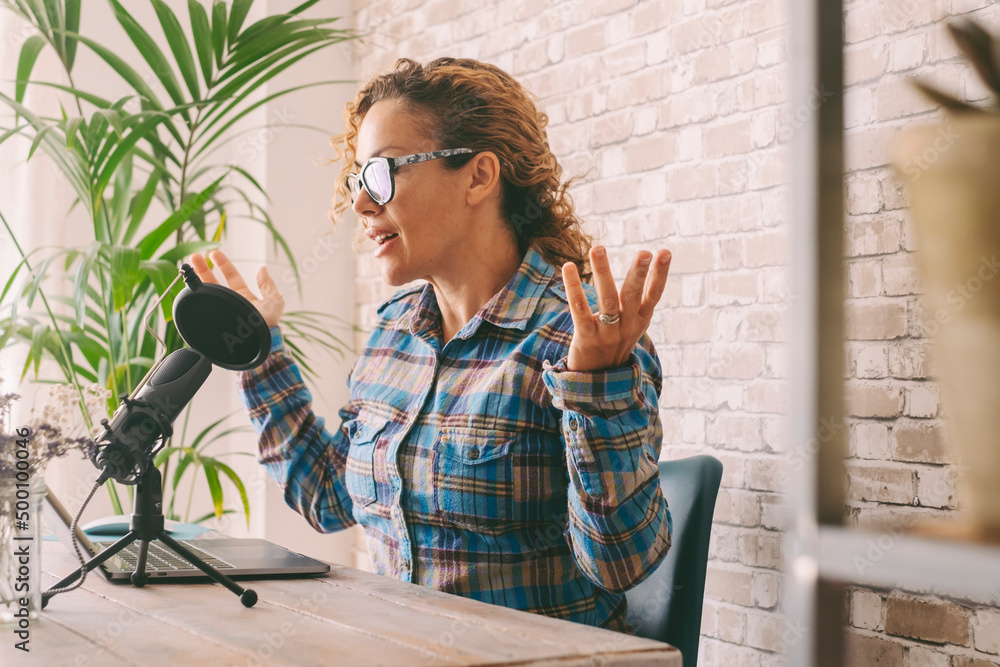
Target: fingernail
<point>644,261</point>
<point>665,259</point>
<point>598,252</point>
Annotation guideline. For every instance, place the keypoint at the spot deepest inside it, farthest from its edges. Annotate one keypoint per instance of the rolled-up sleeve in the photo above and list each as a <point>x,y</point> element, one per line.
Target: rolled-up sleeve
<point>619,525</point>
<point>300,454</point>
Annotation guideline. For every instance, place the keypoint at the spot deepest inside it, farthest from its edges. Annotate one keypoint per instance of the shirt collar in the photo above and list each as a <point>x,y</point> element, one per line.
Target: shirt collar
<point>510,308</point>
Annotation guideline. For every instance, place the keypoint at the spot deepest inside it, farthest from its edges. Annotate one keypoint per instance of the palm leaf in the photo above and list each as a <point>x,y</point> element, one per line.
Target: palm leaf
<point>140,204</point>
<point>41,16</point>
<point>182,250</point>
<point>236,17</point>
<point>211,515</point>
<point>303,7</point>
<point>178,46</point>
<point>151,53</point>
<point>161,273</point>
<point>219,31</point>
<point>105,167</point>
<point>202,33</point>
<point>38,140</point>
<point>121,196</point>
<point>945,100</point>
<point>83,271</point>
<point>232,120</point>
<point>238,483</point>
<point>72,25</point>
<point>124,274</point>
<point>123,69</point>
<point>152,241</point>
<point>13,277</point>
<point>977,45</point>
<point>209,465</point>
<point>96,100</point>
<point>53,13</point>
<point>74,129</point>
<point>26,62</point>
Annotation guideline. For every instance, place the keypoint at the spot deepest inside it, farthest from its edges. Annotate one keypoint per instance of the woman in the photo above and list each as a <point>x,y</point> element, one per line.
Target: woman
<point>502,434</point>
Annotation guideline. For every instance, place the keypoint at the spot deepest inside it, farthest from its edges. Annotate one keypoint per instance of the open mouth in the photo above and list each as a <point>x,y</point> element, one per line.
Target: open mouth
<point>385,237</point>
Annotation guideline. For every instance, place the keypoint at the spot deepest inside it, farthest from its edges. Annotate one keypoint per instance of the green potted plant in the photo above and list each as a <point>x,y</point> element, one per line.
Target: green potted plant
<point>125,158</point>
<point>953,179</point>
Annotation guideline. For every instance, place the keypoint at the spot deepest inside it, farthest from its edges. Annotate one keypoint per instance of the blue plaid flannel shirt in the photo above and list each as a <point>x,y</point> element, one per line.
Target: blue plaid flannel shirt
<point>482,467</point>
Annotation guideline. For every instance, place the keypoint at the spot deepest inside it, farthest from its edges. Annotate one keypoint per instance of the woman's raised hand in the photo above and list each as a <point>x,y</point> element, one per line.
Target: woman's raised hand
<point>599,346</point>
<point>270,303</point>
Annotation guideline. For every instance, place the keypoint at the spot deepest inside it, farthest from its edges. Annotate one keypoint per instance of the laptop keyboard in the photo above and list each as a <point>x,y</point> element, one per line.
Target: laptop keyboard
<point>161,559</point>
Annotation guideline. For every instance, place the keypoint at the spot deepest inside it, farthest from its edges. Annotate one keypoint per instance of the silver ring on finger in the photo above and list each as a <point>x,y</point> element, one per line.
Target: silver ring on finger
<point>609,319</point>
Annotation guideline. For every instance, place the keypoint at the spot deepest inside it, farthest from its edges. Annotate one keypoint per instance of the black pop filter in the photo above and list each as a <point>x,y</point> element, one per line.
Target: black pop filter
<point>221,324</point>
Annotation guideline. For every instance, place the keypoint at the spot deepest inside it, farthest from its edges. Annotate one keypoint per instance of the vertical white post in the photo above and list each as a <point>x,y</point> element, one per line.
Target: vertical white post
<point>818,433</point>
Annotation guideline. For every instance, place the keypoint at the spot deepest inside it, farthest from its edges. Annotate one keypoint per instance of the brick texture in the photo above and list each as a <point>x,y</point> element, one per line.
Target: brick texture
<point>872,650</point>
<point>676,115</point>
<point>939,623</point>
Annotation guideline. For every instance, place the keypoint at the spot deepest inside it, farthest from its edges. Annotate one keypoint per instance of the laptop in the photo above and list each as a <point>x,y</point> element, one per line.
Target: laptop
<point>235,557</point>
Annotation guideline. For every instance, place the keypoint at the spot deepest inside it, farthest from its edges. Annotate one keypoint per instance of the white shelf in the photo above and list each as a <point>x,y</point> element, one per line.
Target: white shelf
<point>893,560</point>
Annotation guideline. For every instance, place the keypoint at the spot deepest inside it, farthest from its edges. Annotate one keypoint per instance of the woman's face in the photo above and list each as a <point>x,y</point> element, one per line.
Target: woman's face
<point>426,212</point>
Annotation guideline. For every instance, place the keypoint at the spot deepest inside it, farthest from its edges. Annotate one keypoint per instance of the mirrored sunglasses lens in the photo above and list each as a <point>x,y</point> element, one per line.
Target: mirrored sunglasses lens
<point>377,180</point>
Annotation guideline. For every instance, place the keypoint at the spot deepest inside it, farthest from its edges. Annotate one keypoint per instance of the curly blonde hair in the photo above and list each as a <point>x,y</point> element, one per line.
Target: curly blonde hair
<point>471,104</point>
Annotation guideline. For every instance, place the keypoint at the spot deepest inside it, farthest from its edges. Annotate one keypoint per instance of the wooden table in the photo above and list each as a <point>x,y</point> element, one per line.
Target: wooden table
<point>348,617</point>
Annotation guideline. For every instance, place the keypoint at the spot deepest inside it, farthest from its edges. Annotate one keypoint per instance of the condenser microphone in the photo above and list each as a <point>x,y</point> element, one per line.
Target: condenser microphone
<point>222,328</point>
<point>126,447</point>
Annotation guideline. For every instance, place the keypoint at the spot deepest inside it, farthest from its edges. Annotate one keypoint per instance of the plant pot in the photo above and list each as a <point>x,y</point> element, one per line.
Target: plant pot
<point>952,172</point>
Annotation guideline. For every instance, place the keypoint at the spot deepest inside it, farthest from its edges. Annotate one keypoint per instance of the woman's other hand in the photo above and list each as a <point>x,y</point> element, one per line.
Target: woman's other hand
<point>599,346</point>
<point>270,303</point>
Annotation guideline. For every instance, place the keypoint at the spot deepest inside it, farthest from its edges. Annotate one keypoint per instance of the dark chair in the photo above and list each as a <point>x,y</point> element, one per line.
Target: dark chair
<point>667,605</point>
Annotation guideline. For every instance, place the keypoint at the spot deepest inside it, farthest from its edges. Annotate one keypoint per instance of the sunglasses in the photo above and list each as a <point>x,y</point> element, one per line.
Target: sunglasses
<point>376,175</point>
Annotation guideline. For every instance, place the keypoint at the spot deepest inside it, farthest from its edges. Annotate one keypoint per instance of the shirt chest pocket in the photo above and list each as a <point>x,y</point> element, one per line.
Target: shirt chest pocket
<point>474,480</point>
<point>360,478</point>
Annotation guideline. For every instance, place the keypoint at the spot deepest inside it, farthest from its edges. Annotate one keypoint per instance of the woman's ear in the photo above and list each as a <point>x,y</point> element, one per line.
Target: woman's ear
<point>484,169</point>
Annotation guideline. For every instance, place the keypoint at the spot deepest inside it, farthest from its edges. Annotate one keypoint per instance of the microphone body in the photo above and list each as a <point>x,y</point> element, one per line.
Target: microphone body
<point>125,449</point>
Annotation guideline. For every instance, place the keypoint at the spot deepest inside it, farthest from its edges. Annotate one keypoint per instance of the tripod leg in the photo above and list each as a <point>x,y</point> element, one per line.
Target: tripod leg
<point>112,549</point>
<point>247,596</point>
<point>139,576</point>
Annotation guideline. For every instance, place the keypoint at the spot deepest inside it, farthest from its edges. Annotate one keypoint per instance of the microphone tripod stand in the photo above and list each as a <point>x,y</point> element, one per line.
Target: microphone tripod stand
<point>145,525</point>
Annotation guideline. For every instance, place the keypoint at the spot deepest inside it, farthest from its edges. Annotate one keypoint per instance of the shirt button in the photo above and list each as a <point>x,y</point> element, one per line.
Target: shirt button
<point>474,453</point>
<point>573,424</point>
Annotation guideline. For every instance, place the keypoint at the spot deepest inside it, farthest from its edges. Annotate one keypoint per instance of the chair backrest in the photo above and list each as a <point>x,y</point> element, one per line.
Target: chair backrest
<point>667,605</point>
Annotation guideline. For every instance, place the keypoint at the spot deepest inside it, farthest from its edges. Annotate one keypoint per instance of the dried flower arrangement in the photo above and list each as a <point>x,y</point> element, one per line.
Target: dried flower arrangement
<point>54,430</point>
<point>48,433</point>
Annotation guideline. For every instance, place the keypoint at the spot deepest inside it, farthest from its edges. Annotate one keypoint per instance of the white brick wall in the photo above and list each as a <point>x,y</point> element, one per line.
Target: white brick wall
<point>675,111</point>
